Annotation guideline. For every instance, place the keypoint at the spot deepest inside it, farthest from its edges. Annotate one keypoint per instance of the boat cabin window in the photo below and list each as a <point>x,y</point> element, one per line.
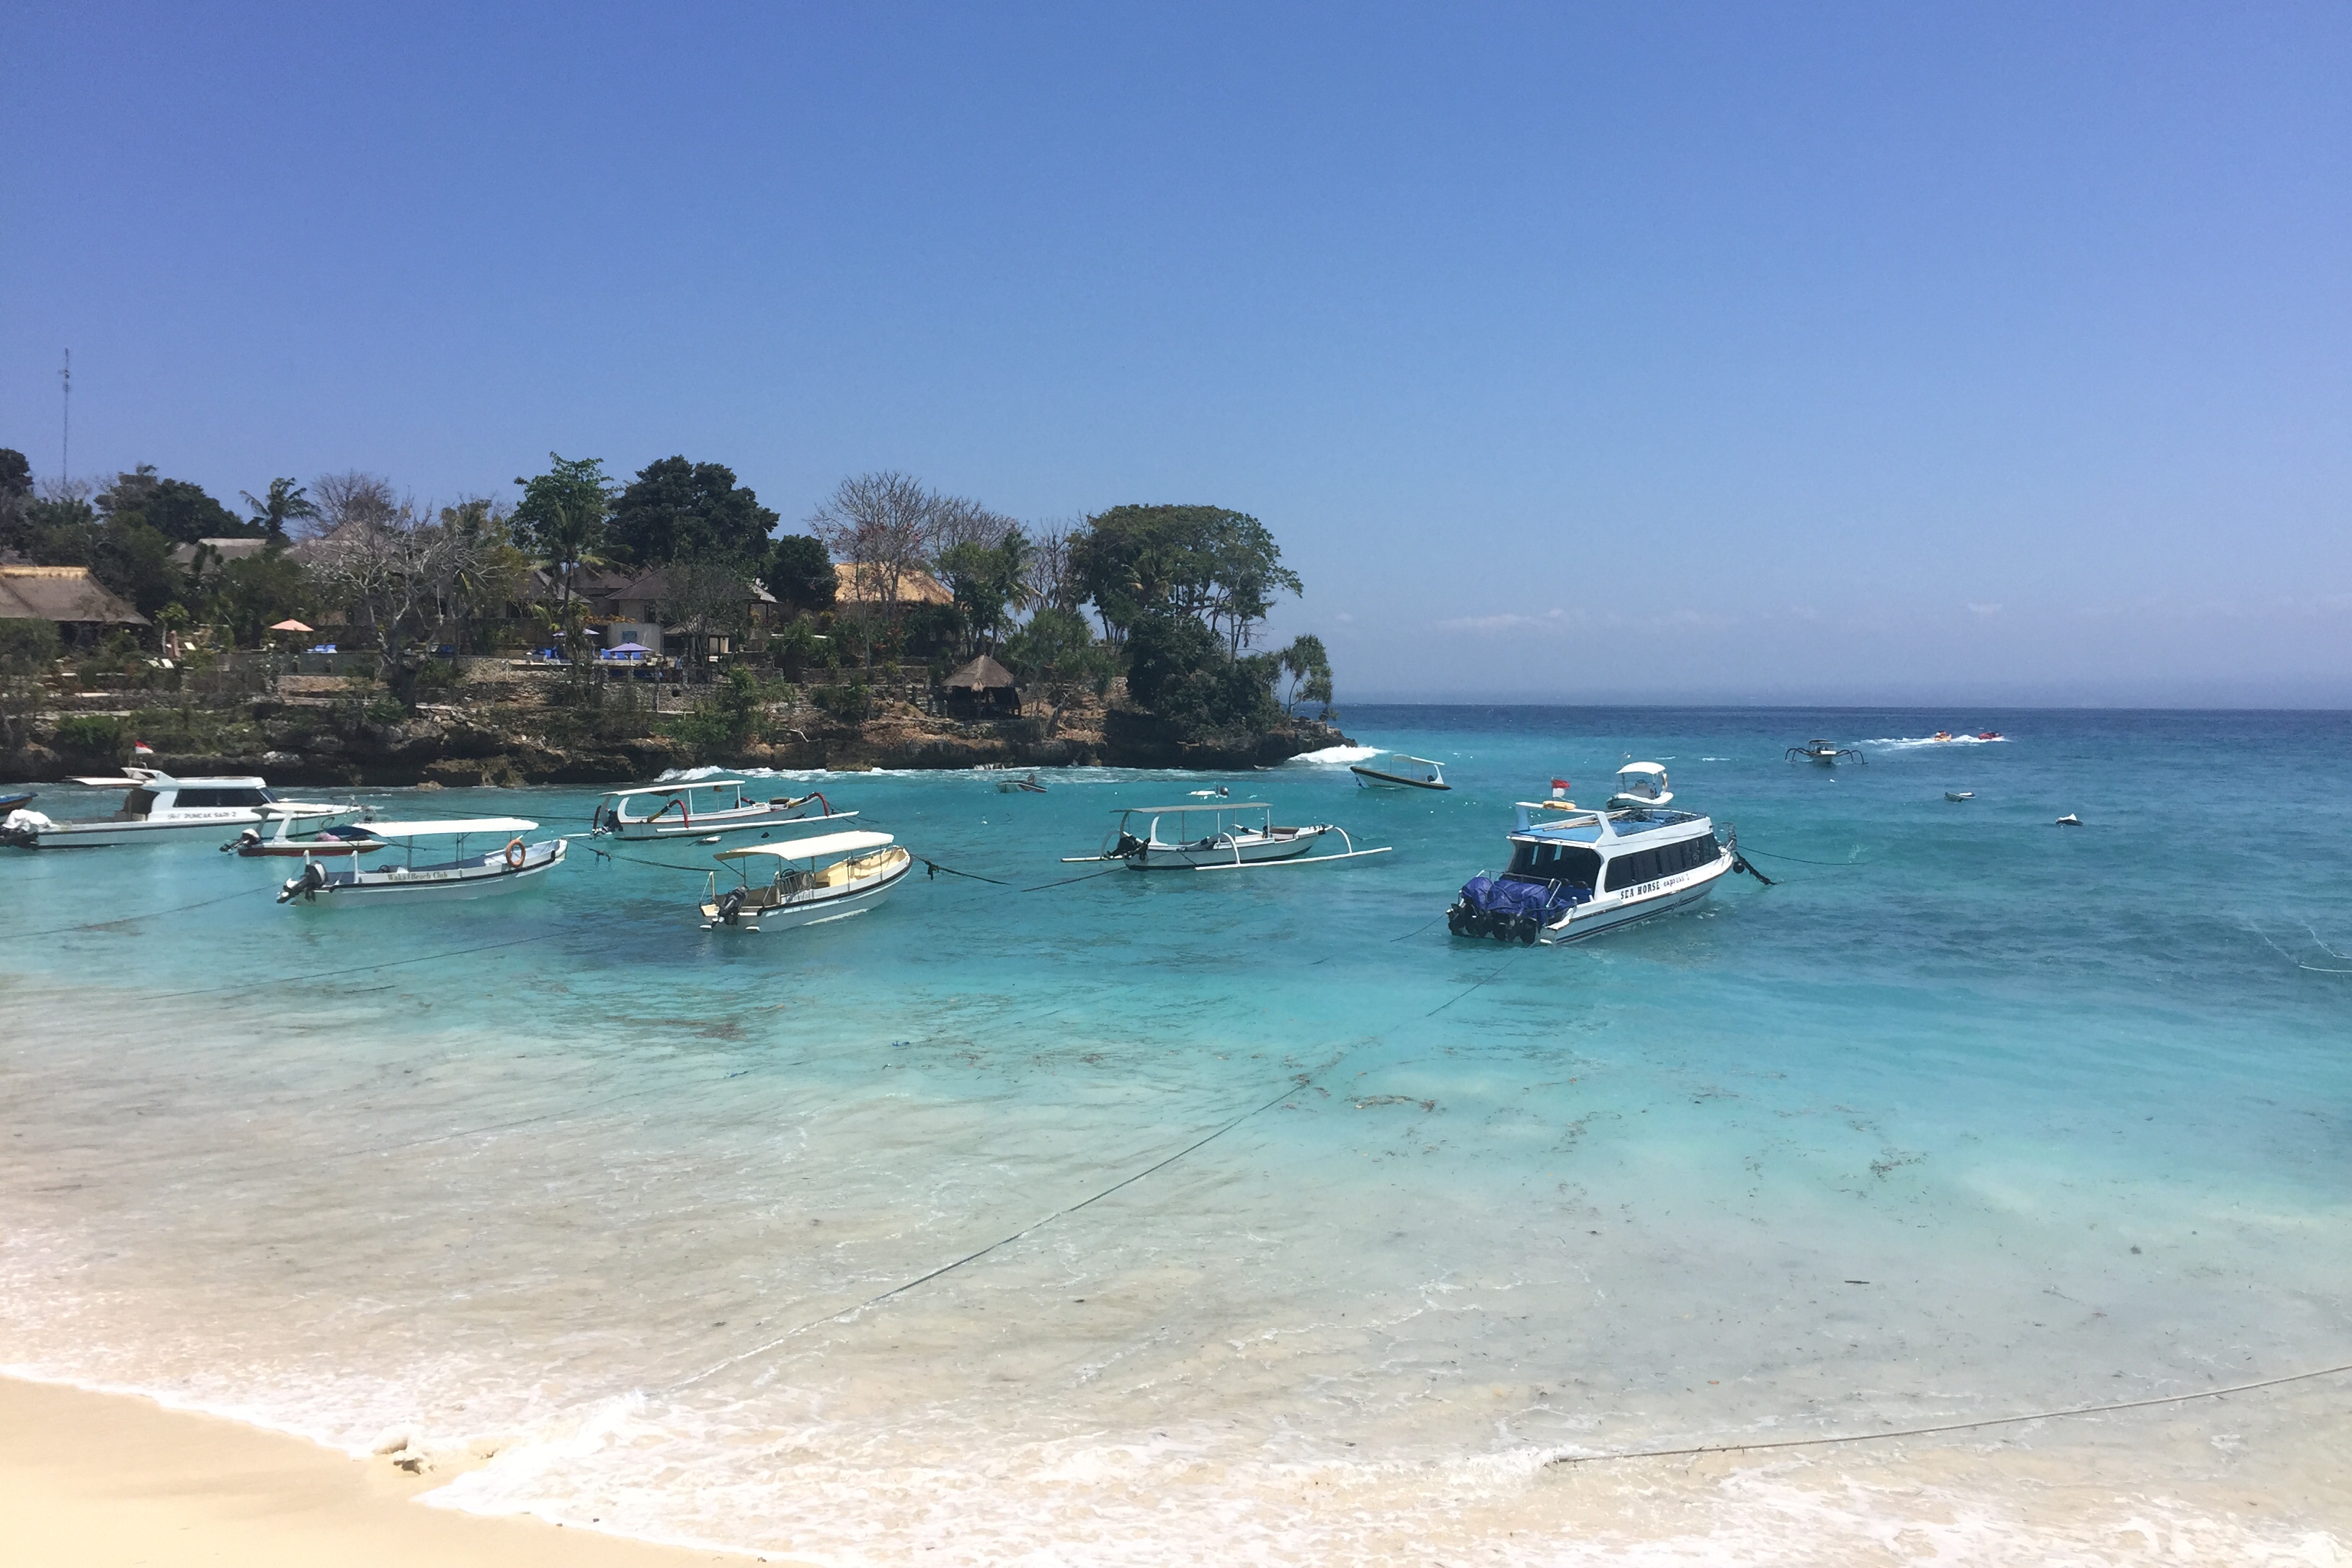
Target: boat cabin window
<point>1570,863</point>
<point>213,799</point>
<point>139,803</point>
<point>1668,860</point>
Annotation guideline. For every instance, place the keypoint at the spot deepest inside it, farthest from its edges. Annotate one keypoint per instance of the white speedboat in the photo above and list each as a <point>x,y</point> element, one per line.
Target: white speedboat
<point>1394,770</point>
<point>1224,836</point>
<point>157,807</point>
<point>1576,873</point>
<point>829,878</point>
<point>703,807</point>
<point>499,868</point>
<point>1828,752</point>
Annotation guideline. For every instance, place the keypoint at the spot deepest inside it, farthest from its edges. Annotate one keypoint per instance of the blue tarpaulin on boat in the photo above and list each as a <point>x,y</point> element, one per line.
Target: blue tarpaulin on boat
<point>1503,895</point>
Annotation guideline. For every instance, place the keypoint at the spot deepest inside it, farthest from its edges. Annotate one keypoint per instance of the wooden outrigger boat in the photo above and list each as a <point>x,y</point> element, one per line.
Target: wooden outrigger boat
<point>1826,752</point>
<point>704,806</point>
<point>859,871</point>
<point>1229,835</point>
<point>334,841</point>
<point>464,876</point>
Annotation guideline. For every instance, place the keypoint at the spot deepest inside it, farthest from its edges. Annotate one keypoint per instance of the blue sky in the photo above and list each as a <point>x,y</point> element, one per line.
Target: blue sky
<point>1807,354</point>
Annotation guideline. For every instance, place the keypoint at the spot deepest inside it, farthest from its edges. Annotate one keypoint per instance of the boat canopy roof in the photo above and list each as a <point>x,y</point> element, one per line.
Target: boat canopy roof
<point>147,780</point>
<point>678,788</point>
<point>1650,769</point>
<point>1198,806</point>
<point>823,844</point>
<point>449,828</point>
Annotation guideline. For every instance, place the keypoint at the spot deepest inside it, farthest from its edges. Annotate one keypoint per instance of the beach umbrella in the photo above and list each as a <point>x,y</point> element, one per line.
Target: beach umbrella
<point>290,626</point>
<point>629,647</point>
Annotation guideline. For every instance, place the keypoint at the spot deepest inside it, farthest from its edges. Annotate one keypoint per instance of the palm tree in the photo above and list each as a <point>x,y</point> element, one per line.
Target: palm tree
<point>286,502</point>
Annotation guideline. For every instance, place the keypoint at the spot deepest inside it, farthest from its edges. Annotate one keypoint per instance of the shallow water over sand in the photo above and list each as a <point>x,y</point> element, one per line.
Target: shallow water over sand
<point>1969,1116</point>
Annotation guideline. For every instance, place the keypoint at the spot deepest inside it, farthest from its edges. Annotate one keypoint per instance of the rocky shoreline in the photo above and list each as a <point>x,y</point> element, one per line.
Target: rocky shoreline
<point>319,730</point>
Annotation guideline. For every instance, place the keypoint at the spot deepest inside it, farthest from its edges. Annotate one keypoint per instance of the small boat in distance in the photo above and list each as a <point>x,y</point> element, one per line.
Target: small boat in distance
<point>1991,735</point>
<point>1020,786</point>
<point>463,876</point>
<point>11,801</point>
<point>1394,770</point>
<point>1640,786</point>
<point>1826,752</point>
<point>156,806</point>
<point>861,868</point>
<point>1226,836</point>
<point>704,806</point>
<point>1575,873</point>
<point>1953,794</point>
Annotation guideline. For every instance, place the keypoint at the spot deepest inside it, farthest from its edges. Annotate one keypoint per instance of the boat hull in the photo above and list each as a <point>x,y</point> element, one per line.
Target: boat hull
<point>817,906</point>
<point>1372,778</point>
<point>1604,915</point>
<point>486,878</point>
<point>716,823</point>
<point>1248,852</point>
<point>116,835</point>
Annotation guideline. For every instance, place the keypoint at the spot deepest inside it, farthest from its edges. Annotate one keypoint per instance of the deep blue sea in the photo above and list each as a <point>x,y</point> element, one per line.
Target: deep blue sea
<point>641,1226</point>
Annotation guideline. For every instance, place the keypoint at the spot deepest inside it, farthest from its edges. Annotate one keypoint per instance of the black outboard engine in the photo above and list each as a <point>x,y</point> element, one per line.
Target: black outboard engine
<point>306,886</point>
<point>246,839</point>
<point>729,903</point>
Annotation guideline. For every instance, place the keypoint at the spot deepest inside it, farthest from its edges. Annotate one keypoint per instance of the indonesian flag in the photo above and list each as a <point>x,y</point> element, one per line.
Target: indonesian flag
<point>1559,789</point>
<point>141,749</point>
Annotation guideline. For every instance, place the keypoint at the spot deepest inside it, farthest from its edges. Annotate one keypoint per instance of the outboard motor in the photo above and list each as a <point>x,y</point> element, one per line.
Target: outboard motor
<point>23,828</point>
<point>245,841</point>
<point>729,903</point>
<point>306,886</point>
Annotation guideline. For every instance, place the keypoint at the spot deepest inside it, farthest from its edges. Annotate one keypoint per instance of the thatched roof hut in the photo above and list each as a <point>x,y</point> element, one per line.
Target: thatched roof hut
<point>68,596</point>
<point>983,685</point>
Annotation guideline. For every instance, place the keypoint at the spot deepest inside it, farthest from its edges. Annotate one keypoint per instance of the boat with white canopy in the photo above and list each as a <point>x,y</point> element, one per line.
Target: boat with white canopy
<point>701,807</point>
<point>157,807</point>
<point>497,869</point>
<point>1575,872</point>
<point>1225,836</point>
<point>828,877</point>
<point>1394,770</point>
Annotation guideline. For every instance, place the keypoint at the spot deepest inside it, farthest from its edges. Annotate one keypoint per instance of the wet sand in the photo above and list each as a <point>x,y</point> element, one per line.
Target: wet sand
<point>97,1481</point>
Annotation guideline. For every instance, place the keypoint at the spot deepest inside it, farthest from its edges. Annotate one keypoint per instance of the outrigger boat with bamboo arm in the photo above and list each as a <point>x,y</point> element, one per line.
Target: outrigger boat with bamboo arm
<point>859,871</point>
<point>1229,835</point>
<point>464,876</point>
<point>1826,752</point>
<point>682,816</point>
<point>1576,873</point>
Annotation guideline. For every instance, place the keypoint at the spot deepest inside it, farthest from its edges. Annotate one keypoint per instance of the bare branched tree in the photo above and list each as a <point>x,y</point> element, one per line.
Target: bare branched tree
<point>958,520</point>
<point>710,595</point>
<point>883,524</point>
<point>1053,583</point>
<point>393,572</point>
<point>353,498</point>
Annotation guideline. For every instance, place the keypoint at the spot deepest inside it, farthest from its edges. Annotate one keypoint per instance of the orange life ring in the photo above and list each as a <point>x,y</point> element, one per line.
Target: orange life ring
<point>516,854</point>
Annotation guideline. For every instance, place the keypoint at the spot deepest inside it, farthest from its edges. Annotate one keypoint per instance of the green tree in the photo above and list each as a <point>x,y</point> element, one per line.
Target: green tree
<point>1222,566</point>
<point>255,593</point>
<point>287,503</point>
<point>28,650</point>
<point>561,518</point>
<point>180,511</point>
<point>1182,672</point>
<point>989,581</point>
<point>799,573</point>
<point>675,509</point>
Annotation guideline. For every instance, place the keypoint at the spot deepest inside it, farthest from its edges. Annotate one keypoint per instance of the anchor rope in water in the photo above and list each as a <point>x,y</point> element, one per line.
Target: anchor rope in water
<point>1569,1459</point>
<point>2314,968</point>
<point>1833,865</point>
<point>150,914</point>
<point>1301,1082</point>
<point>357,968</point>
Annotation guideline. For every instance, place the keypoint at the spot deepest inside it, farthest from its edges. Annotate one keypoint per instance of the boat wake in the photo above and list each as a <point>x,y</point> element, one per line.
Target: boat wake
<point>1333,757</point>
<point>1914,742</point>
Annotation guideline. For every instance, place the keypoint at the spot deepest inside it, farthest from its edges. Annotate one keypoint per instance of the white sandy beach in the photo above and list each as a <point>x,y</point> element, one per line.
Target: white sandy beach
<point>103,1480</point>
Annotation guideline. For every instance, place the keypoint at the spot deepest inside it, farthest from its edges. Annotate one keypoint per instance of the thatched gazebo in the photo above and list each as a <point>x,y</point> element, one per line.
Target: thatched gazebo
<point>984,689</point>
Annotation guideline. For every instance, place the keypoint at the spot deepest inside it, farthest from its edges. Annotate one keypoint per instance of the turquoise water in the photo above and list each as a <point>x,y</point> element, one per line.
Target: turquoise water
<point>1968,1115</point>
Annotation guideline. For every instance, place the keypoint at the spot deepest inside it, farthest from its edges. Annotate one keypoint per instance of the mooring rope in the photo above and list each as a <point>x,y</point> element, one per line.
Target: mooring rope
<point>1567,1459</point>
<point>1301,1081</point>
<point>1833,865</point>
<point>2314,968</point>
<point>150,914</point>
<point>970,876</point>
<point>356,969</point>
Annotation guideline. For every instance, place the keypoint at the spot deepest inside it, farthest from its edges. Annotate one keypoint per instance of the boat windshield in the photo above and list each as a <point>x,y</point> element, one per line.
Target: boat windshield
<point>1570,863</point>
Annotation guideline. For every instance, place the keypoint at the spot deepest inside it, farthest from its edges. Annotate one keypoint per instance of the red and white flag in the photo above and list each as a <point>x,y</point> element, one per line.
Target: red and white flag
<point>141,749</point>
<point>1559,789</point>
